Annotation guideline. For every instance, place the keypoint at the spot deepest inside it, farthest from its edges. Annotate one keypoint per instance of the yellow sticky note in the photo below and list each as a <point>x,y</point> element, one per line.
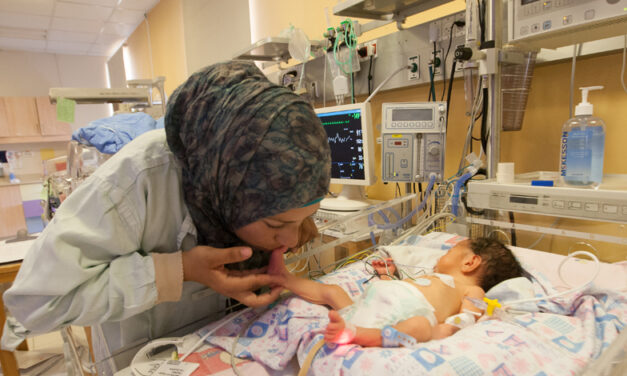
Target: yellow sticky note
<point>65,109</point>
<point>46,154</point>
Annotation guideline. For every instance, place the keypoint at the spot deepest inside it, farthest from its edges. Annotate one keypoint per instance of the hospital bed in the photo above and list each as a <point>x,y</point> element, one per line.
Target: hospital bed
<point>577,333</point>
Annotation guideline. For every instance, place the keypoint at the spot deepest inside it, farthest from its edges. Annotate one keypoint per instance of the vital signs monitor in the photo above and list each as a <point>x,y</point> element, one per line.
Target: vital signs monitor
<point>348,129</point>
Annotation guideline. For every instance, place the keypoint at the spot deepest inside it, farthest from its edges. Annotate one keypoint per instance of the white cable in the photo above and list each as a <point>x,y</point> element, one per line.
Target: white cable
<point>221,324</point>
<point>386,81</point>
<point>559,271</point>
<point>622,69</point>
<point>324,82</point>
<point>155,344</point>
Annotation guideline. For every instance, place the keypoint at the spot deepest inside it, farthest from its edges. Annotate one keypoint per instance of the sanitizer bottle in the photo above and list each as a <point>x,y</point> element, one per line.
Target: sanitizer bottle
<point>582,146</point>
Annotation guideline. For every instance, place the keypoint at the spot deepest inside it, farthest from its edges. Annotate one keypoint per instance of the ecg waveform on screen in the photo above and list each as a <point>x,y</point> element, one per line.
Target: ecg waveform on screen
<point>339,139</point>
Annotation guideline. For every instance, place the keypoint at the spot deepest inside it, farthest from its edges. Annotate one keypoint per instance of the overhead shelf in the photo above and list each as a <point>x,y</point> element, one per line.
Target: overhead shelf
<point>271,49</point>
<point>384,9</point>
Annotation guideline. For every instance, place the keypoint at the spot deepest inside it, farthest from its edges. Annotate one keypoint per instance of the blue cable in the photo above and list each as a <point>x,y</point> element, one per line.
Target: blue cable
<point>413,212</point>
<point>455,199</point>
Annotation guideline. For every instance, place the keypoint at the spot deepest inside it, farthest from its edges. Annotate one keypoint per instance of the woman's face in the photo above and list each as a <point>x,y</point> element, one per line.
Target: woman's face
<point>277,231</point>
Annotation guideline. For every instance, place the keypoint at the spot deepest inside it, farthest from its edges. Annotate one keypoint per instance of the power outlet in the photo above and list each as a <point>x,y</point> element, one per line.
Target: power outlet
<point>414,72</point>
<point>447,23</point>
<point>436,62</point>
<point>367,50</point>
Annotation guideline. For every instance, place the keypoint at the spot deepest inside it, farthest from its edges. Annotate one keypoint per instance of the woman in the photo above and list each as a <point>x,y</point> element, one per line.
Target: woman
<point>141,246</point>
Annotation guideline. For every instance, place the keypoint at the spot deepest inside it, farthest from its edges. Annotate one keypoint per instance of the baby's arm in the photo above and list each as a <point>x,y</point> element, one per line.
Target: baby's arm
<point>417,327</point>
<point>444,330</point>
<point>318,293</point>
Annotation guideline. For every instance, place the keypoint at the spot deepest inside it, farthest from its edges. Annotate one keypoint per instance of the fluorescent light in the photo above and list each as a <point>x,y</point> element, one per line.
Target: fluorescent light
<point>22,33</point>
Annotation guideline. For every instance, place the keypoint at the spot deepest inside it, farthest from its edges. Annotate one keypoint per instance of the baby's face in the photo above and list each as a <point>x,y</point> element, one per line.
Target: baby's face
<point>453,259</point>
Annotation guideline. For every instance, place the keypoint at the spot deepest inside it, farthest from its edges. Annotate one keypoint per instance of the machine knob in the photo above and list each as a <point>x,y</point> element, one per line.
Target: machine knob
<point>463,53</point>
<point>434,150</point>
<point>441,108</point>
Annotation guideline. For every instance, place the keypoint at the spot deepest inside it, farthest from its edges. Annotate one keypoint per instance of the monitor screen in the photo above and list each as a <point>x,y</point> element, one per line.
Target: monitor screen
<point>348,129</point>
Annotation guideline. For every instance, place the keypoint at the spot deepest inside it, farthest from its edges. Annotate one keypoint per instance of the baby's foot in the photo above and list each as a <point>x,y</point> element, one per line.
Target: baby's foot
<point>336,331</point>
<point>381,268</point>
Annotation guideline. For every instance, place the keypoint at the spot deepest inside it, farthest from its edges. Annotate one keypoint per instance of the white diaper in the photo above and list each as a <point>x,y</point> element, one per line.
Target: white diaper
<point>388,302</point>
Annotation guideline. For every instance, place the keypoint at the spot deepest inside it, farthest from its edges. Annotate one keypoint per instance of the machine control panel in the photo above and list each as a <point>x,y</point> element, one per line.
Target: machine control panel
<point>608,203</point>
<point>413,136</point>
<point>528,18</point>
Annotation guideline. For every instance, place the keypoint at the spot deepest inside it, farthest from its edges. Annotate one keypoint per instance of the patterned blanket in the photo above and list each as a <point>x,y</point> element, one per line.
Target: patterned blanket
<point>559,340</point>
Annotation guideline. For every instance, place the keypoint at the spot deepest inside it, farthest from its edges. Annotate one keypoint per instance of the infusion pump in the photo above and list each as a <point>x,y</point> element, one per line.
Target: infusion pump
<point>413,139</point>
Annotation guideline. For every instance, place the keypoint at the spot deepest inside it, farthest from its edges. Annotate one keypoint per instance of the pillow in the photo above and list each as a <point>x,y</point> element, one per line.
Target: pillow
<point>413,260</point>
<point>514,289</point>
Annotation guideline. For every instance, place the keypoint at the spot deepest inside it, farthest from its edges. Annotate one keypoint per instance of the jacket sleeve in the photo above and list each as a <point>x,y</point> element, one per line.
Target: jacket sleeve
<point>87,266</point>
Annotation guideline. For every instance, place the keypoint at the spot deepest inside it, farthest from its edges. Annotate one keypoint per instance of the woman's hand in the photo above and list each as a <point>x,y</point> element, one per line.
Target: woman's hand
<point>206,265</point>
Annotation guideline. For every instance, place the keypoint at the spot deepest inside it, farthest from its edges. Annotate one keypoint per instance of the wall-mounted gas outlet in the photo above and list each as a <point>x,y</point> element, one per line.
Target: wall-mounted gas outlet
<point>436,62</point>
<point>414,72</point>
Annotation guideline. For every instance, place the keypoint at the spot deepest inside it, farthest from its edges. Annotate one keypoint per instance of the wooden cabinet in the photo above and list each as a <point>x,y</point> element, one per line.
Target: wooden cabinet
<point>19,116</point>
<point>11,211</point>
<point>48,123</point>
<point>30,119</point>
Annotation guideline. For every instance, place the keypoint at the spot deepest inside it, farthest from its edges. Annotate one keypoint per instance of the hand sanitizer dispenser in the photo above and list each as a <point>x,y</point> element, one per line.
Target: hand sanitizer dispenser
<point>582,145</point>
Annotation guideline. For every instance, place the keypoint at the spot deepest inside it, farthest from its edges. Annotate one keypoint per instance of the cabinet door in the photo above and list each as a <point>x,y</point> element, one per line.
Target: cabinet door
<point>48,122</point>
<point>11,211</point>
<point>4,122</point>
<point>21,116</point>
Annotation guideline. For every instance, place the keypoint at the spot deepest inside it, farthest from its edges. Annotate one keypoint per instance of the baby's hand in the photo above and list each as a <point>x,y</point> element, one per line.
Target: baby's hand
<point>380,267</point>
<point>336,331</point>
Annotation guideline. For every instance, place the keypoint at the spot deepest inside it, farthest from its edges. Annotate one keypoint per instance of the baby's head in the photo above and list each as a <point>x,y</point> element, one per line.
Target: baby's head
<point>487,260</point>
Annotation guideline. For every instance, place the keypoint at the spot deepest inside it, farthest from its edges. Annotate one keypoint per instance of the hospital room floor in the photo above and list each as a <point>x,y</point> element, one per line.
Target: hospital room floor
<point>45,354</point>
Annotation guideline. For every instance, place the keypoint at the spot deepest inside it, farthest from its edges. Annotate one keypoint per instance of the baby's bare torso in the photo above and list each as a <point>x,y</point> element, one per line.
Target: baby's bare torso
<point>446,300</point>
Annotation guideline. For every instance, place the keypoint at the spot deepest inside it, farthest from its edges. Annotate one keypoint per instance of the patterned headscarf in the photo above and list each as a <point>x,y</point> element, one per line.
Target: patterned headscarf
<point>248,148</point>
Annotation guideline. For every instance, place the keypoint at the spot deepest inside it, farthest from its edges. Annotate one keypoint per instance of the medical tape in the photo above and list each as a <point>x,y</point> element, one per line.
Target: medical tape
<point>461,320</point>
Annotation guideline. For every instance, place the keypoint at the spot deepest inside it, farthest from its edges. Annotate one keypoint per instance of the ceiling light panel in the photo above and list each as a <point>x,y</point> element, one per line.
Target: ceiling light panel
<point>82,11</point>
<point>131,17</point>
<point>26,21</point>
<point>143,5</point>
<point>70,24</point>
<point>36,7</point>
<point>71,36</point>
<point>22,44</point>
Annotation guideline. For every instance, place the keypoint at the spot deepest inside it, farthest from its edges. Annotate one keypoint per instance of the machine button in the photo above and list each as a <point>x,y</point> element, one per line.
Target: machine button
<point>610,209</point>
<point>404,163</point>
<point>591,207</point>
<point>535,28</point>
<point>589,14</point>
<point>574,205</point>
<point>546,25</point>
<point>559,204</point>
<point>567,20</point>
<point>546,4</point>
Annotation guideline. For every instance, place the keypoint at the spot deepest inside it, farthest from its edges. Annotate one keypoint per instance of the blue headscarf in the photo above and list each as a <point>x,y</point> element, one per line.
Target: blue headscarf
<point>248,148</point>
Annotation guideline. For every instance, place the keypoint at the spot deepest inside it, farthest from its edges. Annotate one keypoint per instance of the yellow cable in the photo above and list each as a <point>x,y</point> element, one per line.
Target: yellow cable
<point>310,356</point>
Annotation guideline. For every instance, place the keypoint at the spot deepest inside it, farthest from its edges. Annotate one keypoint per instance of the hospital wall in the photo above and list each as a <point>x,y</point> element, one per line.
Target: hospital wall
<point>533,148</point>
<point>180,37</point>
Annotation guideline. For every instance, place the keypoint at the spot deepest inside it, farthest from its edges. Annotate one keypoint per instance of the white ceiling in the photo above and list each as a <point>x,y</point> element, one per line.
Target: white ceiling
<point>71,27</point>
